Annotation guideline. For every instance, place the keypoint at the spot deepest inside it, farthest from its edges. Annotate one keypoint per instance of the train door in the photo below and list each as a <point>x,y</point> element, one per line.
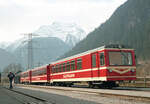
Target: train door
<point>48,73</point>
<point>30,76</point>
<point>51,70</point>
<point>94,65</point>
<point>102,64</point>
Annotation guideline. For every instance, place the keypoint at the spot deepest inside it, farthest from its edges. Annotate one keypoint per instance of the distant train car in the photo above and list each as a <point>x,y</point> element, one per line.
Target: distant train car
<point>102,66</point>
<point>40,74</point>
<point>25,77</point>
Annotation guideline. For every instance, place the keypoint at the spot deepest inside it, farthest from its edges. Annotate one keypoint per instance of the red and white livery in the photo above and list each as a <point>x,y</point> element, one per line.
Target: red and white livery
<point>25,77</point>
<point>102,66</point>
<point>40,74</point>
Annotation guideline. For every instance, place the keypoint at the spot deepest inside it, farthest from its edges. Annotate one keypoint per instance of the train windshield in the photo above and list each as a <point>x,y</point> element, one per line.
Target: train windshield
<point>120,58</point>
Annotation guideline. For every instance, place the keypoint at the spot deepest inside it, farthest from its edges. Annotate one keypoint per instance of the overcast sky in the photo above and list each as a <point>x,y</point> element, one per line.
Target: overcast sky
<point>25,16</point>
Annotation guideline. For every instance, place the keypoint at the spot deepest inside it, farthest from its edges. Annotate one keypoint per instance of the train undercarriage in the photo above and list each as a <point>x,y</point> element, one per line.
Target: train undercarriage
<point>90,84</point>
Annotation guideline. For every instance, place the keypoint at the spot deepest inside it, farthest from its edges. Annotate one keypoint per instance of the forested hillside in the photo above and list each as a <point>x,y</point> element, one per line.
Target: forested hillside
<point>129,25</point>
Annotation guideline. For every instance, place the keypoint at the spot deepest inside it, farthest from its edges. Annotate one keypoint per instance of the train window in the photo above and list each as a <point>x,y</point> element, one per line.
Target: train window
<point>57,68</point>
<point>102,59</point>
<point>94,60</point>
<point>39,72</point>
<point>52,69</point>
<point>60,68</point>
<point>120,58</point>
<point>33,73</point>
<point>68,66</point>
<point>72,65</point>
<point>79,63</point>
<point>64,66</point>
<point>45,71</point>
<point>25,75</point>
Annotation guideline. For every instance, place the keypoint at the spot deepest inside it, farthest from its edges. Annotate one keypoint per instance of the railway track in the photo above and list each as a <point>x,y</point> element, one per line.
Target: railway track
<point>120,88</point>
<point>132,89</point>
<point>95,92</point>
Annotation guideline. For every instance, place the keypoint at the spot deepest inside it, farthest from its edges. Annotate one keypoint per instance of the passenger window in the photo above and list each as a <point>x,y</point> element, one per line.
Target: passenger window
<point>72,65</point>
<point>102,59</point>
<point>94,60</point>
<point>57,68</point>
<point>79,63</point>
<point>68,66</point>
<point>53,70</point>
<point>64,65</point>
<point>60,68</point>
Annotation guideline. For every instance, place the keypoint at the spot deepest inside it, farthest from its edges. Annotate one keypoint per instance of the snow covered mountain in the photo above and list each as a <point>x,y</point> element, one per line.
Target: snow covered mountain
<point>44,50</point>
<point>50,42</point>
<point>4,45</point>
<point>70,33</point>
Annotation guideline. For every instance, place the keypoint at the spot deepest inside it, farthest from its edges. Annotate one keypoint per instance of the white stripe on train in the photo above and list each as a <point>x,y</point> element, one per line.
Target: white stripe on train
<point>102,68</point>
<point>90,79</point>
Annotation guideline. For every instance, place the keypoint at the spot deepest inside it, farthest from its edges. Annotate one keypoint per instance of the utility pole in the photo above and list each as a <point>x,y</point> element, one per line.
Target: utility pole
<point>0,77</point>
<point>30,51</point>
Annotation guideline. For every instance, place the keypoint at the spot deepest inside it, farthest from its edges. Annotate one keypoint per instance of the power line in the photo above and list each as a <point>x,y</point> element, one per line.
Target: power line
<point>30,50</point>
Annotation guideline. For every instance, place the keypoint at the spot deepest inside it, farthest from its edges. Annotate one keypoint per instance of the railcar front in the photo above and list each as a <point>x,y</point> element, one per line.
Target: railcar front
<point>121,64</point>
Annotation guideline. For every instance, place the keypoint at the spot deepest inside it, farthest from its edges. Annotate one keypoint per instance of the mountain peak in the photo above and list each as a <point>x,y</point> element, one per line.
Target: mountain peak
<point>63,31</point>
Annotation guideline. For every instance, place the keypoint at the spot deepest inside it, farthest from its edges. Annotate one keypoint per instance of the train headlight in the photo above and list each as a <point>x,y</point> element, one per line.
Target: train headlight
<point>132,70</point>
<point>110,70</point>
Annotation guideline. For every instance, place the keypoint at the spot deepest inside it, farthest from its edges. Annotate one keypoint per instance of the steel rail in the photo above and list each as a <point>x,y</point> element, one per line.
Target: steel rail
<point>121,96</point>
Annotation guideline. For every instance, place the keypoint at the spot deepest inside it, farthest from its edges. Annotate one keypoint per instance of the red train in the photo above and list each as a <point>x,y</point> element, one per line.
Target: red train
<point>102,66</point>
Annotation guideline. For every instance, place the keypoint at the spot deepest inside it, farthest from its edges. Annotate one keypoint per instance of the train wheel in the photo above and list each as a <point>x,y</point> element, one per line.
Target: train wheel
<point>91,85</point>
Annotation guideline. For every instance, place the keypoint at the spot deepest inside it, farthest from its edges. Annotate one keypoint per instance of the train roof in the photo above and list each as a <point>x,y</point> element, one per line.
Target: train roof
<point>24,72</point>
<point>110,46</point>
<point>36,68</point>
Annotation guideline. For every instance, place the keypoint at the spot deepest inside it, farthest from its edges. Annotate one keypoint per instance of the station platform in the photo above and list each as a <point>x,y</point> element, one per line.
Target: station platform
<point>27,96</point>
<point>6,97</point>
<point>9,96</point>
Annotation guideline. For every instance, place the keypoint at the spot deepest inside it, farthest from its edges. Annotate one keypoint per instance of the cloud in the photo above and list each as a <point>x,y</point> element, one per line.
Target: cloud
<point>56,1</point>
<point>22,16</point>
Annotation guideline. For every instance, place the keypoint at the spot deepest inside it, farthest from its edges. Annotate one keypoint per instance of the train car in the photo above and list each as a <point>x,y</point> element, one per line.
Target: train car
<point>40,74</point>
<point>102,66</point>
<point>25,77</point>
